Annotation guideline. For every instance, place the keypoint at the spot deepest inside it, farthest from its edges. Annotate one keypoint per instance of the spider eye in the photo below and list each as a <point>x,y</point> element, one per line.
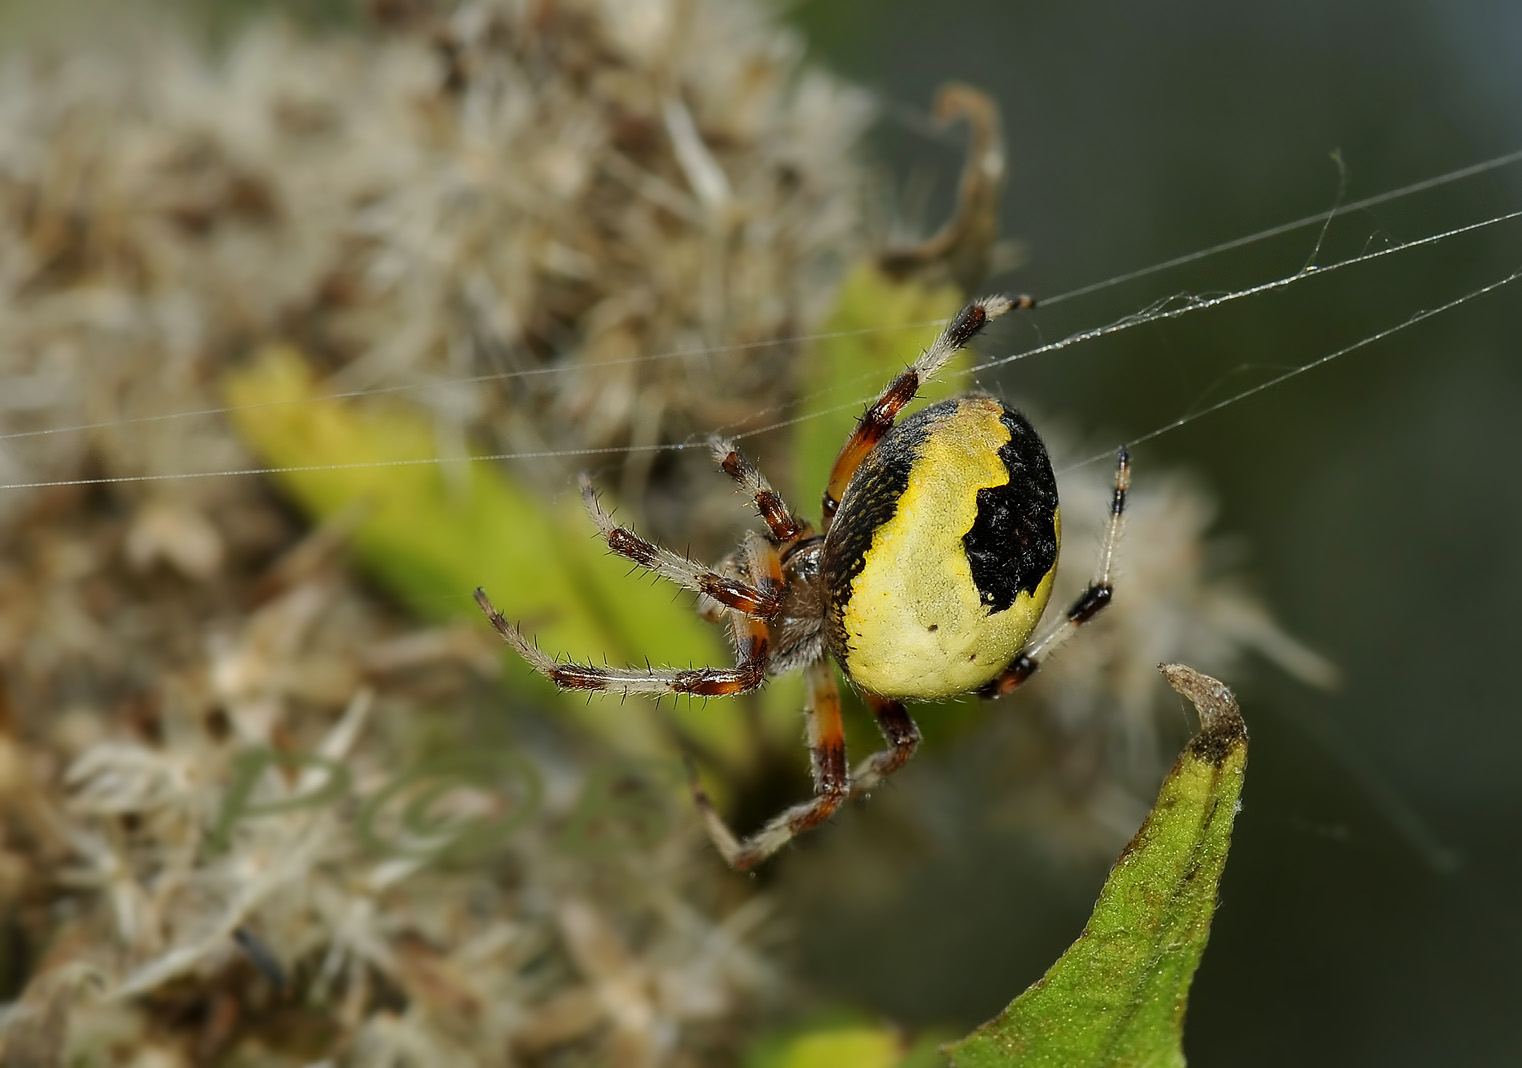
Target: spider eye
<point>943,553</point>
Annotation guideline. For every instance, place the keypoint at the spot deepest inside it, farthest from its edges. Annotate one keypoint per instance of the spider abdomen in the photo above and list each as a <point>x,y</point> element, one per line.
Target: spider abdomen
<point>942,555</point>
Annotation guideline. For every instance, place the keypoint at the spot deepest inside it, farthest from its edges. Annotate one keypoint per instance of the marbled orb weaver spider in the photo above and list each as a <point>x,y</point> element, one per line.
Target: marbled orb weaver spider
<point>937,557</point>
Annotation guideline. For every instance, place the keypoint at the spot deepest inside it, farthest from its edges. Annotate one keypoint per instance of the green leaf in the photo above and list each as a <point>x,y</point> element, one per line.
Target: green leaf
<point>877,328</point>
<point>847,1046</point>
<point>1117,996</point>
<point>846,1041</point>
<point>432,532</point>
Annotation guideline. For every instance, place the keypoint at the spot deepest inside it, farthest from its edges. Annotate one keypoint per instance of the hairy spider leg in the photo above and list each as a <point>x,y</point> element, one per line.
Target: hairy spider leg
<point>786,526</point>
<point>878,419</point>
<point>903,739</point>
<point>727,590</point>
<point>1089,603</point>
<point>710,610</point>
<point>831,783</point>
<point>747,674</point>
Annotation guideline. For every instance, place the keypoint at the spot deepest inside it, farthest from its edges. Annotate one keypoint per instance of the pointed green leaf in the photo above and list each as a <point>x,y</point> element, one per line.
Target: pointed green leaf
<point>1117,996</point>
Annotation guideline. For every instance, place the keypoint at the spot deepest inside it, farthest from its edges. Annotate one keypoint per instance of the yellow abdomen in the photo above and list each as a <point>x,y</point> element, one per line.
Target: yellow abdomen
<point>942,556</point>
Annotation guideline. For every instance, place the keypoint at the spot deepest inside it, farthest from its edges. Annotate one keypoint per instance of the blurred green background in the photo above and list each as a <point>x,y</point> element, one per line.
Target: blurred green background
<point>1370,910</point>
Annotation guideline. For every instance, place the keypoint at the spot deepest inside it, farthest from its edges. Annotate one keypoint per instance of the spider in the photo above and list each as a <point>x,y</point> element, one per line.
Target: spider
<point>930,572</point>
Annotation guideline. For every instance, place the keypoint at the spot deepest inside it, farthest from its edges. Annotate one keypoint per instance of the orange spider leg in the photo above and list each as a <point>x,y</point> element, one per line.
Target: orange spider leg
<point>785,526</point>
<point>903,739</point>
<point>831,783</point>
<point>878,419</point>
<point>729,591</point>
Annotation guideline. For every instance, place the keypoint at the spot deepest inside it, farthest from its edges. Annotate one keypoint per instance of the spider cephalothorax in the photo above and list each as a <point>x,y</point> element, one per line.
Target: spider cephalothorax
<point>939,547</point>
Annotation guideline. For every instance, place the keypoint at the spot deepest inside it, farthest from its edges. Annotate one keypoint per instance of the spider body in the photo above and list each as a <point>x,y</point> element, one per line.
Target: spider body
<point>942,555</point>
<point>938,552</point>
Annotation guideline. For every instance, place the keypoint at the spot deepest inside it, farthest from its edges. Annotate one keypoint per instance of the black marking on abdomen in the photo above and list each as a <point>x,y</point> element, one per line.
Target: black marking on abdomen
<point>1013,541</point>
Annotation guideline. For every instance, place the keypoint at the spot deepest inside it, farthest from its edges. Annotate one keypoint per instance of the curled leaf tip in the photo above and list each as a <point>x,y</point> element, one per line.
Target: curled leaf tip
<point>1222,729</point>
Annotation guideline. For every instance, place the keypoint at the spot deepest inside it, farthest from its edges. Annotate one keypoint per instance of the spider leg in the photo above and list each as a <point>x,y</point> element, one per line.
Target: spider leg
<point>831,783</point>
<point>746,675</point>
<point>784,524</point>
<point>1089,603</point>
<point>878,419</point>
<point>761,567</point>
<point>903,739</point>
<point>729,591</point>
<point>712,611</point>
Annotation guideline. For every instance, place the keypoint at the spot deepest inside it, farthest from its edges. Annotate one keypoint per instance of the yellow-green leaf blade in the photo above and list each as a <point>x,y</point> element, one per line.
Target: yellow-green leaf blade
<point>433,532</point>
<point>838,1041</point>
<point>877,328</point>
<point>846,1046</point>
<point>1117,996</point>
